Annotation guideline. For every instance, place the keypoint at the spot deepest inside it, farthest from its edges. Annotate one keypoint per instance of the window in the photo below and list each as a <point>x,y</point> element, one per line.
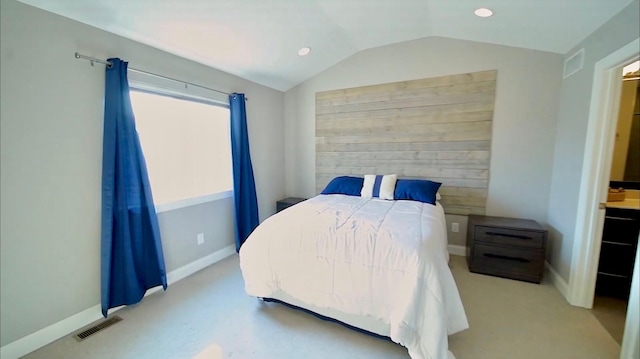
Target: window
<point>186,146</point>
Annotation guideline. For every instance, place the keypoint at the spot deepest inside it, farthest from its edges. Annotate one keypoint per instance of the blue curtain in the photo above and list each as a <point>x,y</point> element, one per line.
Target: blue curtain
<point>131,253</point>
<point>244,186</point>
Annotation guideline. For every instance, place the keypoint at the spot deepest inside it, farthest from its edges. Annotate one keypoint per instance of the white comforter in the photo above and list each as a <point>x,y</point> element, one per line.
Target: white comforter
<point>369,257</point>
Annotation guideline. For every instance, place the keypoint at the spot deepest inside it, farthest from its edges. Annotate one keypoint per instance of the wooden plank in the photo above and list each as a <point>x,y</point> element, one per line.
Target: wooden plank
<point>464,211</point>
<point>448,164</point>
<point>396,129</point>
<point>444,159</point>
<point>463,201</point>
<point>474,131</point>
<point>416,171</point>
<point>463,192</point>
<point>413,146</point>
<point>406,155</point>
<point>481,76</point>
<point>394,122</point>
<point>474,87</point>
<point>323,160</point>
<point>403,113</point>
<point>434,100</point>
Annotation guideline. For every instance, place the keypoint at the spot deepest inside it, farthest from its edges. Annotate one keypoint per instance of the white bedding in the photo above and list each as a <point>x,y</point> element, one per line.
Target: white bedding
<point>386,260</point>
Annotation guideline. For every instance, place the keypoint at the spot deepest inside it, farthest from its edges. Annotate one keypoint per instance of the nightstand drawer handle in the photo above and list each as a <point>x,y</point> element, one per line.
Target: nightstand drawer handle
<point>497,256</point>
<point>495,234</point>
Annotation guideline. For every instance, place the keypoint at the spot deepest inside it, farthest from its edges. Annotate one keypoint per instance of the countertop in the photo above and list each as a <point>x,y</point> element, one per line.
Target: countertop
<point>632,201</point>
<point>628,203</point>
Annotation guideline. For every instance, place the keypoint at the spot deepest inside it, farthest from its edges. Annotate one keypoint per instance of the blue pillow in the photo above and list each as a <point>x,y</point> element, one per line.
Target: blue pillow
<point>350,186</point>
<point>416,190</point>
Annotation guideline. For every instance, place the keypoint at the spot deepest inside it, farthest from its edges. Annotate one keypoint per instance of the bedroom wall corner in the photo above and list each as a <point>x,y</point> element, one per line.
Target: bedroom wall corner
<point>291,144</point>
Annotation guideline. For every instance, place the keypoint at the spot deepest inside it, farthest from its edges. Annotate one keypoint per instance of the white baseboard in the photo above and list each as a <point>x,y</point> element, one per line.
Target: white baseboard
<point>457,250</point>
<point>42,337</point>
<point>557,280</point>
<point>199,264</point>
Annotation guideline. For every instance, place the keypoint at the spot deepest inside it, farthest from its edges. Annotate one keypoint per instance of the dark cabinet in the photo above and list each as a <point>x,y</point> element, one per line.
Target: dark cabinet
<point>506,247</point>
<point>617,252</point>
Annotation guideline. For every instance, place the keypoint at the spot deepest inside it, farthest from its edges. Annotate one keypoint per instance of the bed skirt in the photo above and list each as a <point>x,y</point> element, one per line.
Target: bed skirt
<point>364,325</point>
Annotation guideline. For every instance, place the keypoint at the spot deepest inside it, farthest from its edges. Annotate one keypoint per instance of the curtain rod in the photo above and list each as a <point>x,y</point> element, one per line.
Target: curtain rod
<point>108,64</point>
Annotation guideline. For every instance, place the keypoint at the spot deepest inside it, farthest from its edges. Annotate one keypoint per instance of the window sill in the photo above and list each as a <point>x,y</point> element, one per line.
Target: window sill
<point>188,202</point>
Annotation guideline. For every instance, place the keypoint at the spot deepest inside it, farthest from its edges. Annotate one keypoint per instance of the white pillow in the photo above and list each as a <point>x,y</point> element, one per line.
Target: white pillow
<point>379,186</point>
<point>438,197</point>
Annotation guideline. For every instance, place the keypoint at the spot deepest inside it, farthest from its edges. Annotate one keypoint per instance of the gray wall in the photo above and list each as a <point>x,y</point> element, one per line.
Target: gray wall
<point>179,229</point>
<point>527,97</point>
<point>570,137</point>
<point>51,143</point>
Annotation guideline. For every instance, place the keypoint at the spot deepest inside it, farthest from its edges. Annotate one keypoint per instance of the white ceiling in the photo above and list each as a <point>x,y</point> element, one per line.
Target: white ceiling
<point>259,39</point>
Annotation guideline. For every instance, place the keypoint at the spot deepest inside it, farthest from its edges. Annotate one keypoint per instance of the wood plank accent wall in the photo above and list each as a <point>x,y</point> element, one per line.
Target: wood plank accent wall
<point>435,128</point>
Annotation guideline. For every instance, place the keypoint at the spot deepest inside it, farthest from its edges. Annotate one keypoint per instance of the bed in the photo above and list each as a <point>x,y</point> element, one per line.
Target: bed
<point>375,264</point>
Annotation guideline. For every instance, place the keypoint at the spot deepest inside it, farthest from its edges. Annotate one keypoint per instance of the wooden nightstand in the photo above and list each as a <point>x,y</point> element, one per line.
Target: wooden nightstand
<point>287,202</point>
<point>506,247</point>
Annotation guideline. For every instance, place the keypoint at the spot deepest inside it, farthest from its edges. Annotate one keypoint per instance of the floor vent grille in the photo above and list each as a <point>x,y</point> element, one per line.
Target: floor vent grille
<point>96,328</point>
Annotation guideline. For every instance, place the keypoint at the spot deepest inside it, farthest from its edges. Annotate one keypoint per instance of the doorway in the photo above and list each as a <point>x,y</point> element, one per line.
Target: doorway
<point>594,187</point>
<point>622,214</point>
<point>594,184</point>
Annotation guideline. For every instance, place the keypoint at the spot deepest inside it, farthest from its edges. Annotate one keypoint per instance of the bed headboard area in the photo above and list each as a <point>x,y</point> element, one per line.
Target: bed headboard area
<point>435,128</point>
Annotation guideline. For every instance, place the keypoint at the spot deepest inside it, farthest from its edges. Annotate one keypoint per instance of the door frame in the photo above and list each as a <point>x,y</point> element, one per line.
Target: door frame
<point>605,98</point>
<point>631,338</point>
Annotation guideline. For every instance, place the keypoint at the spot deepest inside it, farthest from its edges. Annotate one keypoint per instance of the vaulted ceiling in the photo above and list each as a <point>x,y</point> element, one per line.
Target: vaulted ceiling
<point>259,39</point>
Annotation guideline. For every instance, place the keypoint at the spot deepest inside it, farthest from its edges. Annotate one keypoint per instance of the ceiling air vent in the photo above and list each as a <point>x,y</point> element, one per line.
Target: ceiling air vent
<point>574,63</point>
<point>96,328</point>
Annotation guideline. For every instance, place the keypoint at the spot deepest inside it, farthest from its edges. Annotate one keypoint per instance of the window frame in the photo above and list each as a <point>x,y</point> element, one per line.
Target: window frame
<point>153,85</point>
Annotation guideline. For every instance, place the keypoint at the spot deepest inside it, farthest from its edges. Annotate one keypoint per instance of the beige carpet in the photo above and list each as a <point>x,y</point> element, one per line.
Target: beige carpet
<point>208,316</point>
<point>513,319</point>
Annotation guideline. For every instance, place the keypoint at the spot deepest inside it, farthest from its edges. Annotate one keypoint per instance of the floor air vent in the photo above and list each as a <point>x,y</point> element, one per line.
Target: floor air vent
<point>96,328</point>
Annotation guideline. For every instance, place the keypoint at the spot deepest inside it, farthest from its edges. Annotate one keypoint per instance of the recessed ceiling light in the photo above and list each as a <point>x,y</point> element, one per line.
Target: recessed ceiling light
<point>483,12</point>
<point>304,51</point>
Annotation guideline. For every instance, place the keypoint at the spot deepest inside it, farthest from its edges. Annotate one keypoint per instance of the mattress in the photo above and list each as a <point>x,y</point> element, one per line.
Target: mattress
<point>382,265</point>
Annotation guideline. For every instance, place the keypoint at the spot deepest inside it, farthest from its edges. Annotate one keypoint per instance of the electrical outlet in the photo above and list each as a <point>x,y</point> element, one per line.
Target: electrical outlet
<point>200,238</point>
<point>455,227</point>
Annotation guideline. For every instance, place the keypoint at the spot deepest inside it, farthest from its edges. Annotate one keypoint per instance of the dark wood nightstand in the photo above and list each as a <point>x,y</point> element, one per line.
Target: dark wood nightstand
<point>506,247</point>
<point>287,202</point>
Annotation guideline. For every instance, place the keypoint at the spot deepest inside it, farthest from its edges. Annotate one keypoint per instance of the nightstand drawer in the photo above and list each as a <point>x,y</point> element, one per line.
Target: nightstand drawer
<point>509,237</point>
<point>508,262</point>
